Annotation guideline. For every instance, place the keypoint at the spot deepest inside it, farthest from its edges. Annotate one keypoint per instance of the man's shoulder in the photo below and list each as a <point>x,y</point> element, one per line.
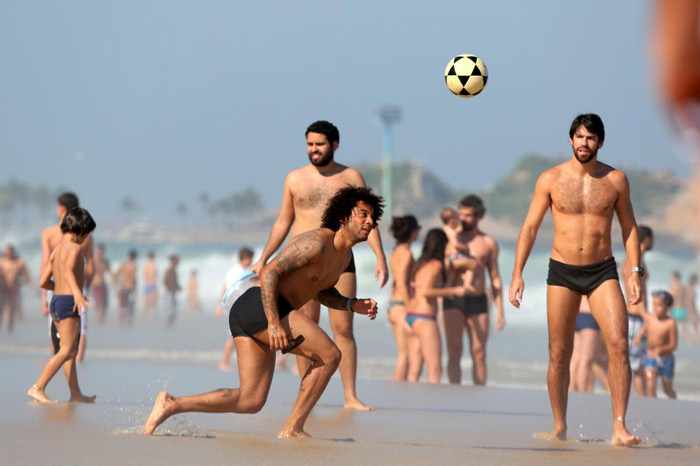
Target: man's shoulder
<point>51,231</point>
<point>488,240</point>
<point>552,175</point>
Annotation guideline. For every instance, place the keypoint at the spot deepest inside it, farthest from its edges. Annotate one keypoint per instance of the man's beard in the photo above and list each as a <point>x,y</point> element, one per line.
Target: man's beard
<point>468,226</point>
<point>585,158</point>
<point>323,161</point>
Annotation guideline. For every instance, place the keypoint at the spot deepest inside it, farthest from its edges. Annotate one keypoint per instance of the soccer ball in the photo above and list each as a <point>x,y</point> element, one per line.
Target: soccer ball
<point>466,75</point>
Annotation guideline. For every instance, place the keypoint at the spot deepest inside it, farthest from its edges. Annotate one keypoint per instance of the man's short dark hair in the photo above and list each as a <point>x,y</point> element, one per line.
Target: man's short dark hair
<point>645,232</point>
<point>68,200</point>
<point>78,221</point>
<point>474,201</point>
<point>324,127</point>
<point>591,122</point>
<point>132,254</point>
<point>340,206</point>
<point>245,253</point>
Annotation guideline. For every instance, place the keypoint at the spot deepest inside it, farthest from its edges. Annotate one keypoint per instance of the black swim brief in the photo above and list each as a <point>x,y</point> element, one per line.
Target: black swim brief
<point>467,305</point>
<point>247,316</point>
<point>351,266</point>
<point>581,278</point>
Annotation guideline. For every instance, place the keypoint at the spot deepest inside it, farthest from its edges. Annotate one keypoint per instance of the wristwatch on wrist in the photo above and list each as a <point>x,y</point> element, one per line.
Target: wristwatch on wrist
<point>639,270</point>
<point>348,306</point>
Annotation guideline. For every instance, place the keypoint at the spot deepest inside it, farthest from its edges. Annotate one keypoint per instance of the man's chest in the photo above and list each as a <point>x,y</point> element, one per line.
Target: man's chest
<point>314,193</point>
<point>584,197</point>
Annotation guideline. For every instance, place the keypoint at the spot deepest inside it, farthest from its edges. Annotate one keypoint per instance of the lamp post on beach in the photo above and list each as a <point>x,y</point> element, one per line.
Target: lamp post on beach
<point>389,116</point>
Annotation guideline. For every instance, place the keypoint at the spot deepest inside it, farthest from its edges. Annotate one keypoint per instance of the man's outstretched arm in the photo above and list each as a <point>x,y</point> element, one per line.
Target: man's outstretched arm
<point>332,298</point>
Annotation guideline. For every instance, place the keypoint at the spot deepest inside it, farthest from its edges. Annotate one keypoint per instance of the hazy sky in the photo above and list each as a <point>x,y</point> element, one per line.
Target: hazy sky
<point>167,99</point>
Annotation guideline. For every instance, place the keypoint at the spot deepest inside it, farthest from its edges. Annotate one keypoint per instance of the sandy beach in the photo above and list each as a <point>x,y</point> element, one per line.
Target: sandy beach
<point>413,423</point>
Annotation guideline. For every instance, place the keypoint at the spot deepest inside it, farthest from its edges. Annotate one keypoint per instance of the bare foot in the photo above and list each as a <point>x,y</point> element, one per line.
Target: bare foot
<point>291,433</point>
<point>159,413</point>
<point>556,434</point>
<point>226,367</point>
<point>82,399</point>
<point>39,395</point>
<point>624,439</point>
<point>357,405</point>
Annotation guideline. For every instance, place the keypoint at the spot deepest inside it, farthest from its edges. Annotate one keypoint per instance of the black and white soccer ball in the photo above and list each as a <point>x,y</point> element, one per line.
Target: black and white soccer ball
<point>466,75</point>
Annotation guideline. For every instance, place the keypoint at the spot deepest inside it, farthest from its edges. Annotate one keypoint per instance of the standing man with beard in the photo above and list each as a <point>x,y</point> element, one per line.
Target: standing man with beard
<point>471,312</point>
<point>583,195</point>
<point>306,192</point>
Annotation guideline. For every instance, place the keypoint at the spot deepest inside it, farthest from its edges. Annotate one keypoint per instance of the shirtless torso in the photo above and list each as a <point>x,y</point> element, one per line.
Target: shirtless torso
<point>101,268</point>
<point>150,274</point>
<point>126,275</point>
<point>13,271</point>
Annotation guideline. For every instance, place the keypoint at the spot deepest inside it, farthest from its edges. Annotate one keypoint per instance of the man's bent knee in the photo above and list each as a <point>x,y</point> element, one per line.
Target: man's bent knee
<point>251,405</point>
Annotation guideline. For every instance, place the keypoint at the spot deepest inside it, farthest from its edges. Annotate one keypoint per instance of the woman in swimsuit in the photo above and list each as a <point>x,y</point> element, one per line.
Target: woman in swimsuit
<point>429,281</point>
<point>405,230</point>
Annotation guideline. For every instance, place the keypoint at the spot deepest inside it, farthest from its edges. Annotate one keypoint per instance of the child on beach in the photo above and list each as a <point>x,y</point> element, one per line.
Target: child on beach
<point>662,337</point>
<point>67,267</point>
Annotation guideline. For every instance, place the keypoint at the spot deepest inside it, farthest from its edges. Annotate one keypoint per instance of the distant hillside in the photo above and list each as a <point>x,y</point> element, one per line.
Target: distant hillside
<point>419,191</point>
<point>416,190</point>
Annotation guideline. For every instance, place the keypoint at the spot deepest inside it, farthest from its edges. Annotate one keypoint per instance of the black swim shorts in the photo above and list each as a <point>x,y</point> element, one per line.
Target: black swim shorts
<point>467,305</point>
<point>581,278</point>
<point>351,266</point>
<point>247,316</point>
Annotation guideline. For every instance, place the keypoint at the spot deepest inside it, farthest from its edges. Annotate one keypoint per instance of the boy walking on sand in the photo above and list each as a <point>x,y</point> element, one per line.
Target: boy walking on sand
<point>662,336</point>
<point>67,267</point>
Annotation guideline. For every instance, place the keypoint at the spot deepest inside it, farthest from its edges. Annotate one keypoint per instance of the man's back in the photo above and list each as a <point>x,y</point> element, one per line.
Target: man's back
<point>310,191</point>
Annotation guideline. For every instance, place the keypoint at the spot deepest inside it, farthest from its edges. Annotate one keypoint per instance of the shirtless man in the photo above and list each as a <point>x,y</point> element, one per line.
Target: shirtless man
<point>583,195</point>
<point>636,313</point>
<point>99,283</point>
<point>306,192</point>
<point>150,286</point>
<point>471,312</point>
<point>13,271</point>
<point>125,279</point>
<point>50,238</point>
<point>263,319</point>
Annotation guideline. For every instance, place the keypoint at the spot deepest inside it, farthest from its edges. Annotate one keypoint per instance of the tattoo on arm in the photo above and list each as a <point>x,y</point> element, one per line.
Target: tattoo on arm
<point>269,287</point>
<point>332,298</point>
<point>300,253</point>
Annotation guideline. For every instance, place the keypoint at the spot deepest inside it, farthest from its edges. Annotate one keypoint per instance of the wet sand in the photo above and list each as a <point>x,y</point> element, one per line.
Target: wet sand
<point>413,423</point>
